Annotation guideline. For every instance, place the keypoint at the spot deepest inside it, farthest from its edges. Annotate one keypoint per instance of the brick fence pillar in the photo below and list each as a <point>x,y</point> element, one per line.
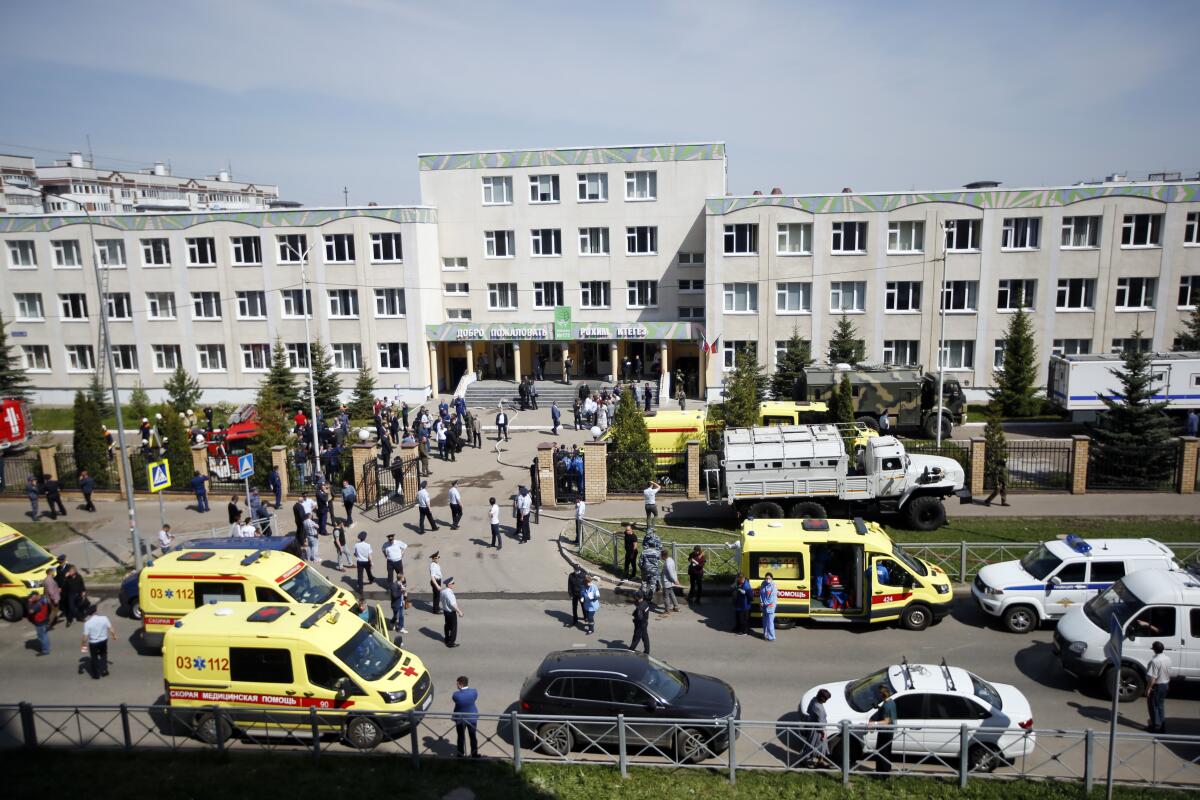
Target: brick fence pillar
<point>49,467</point>
<point>362,454</point>
<point>978,461</point>
<point>411,483</point>
<point>595,471</point>
<point>1189,447</point>
<point>279,460</point>
<point>545,462</point>
<point>1079,463</point>
<point>693,470</point>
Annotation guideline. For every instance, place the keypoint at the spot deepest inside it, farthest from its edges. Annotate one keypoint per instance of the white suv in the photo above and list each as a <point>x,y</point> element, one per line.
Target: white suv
<point>933,702</point>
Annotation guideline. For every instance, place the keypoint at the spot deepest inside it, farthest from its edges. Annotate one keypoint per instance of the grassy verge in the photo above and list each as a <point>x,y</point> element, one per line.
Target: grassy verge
<point>165,776</point>
<point>44,533</point>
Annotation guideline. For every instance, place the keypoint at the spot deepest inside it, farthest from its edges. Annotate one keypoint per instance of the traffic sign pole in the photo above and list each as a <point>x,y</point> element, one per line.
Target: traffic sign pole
<point>1116,641</point>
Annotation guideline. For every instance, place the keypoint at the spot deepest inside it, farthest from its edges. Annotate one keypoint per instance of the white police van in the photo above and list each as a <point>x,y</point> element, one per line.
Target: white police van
<point>1059,574</point>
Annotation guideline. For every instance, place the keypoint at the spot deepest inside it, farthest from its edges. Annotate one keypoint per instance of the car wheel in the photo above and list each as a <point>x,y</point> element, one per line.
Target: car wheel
<point>1132,684</point>
<point>691,746</point>
<point>982,759</point>
<point>135,609</point>
<point>926,513</point>
<point>212,729</point>
<point>835,749</point>
<point>11,610</point>
<point>916,617</point>
<point>766,509</point>
<point>784,623</point>
<point>807,510</point>
<point>555,739</point>
<point>363,733</point>
<point>1020,619</point>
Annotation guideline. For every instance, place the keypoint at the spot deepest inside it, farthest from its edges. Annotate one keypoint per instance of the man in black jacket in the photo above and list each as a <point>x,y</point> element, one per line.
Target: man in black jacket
<point>87,485</point>
<point>53,491</point>
<point>575,583</point>
<point>300,512</point>
<point>641,624</point>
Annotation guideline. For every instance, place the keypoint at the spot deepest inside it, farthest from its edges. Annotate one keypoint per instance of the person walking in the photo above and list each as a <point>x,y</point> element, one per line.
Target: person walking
<point>466,715</point>
<point>97,630</point>
<point>398,593</point>
<point>669,579</point>
<point>524,506</point>
<point>743,597</point>
<point>494,523</point>
<point>768,597</point>
<point>576,582</point>
<point>650,496</point>
<point>435,580</point>
<point>199,486</point>
<point>75,594</point>
<point>476,431</point>
<point>349,498</point>
<point>456,509</point>
<point>423,510</point>
<point>999,476</point>
<point>885,715</point>
<point>591,604</point>
<point>393,553</point>
<point>234,512</point>
<point>323,514</point>
<point>40,611</point>
<point>1158,673</point>
<point>451,613</point>
<point>695,571</point>
<point>275,484</point>
<point>631,551</point>
<point>341,551</point>
<point>313,542</point>
<point>555,418</point>
<point>641,624</point>
<point>53,593</point>
<point>87,485</point>
<point>32,491</point>
<point>362,559</point>
<point>502,425</point>
<point>299,512</point>
<point>54,497</point>
<point>816,743</point>
<point>580,510</point>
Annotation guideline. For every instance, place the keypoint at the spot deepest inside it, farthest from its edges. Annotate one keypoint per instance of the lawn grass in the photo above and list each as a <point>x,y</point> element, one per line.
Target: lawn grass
<point>44,533</point>
<point>165,776</point>
<point>1040,529</point>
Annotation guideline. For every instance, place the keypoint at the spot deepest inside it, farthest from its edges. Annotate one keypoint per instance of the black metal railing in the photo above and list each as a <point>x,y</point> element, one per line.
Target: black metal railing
<point>1134,469</point>
<point>17,468</point>
<point>631,473</point>
<point>957,449</point>
<point>1036,466</point>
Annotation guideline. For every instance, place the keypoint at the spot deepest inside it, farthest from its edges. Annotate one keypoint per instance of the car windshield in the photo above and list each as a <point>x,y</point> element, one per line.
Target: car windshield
<point>308,586</point>
<point>1117,601</point>
<point>986,692</point>
<point>21,555</point>
<point>914,564</point>
<point>863,694</point>
<point>368,654</point>
<point>1040,562</point>
<point>665,681</point>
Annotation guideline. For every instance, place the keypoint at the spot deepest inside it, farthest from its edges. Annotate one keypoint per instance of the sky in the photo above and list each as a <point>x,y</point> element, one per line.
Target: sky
<point>317,95</point>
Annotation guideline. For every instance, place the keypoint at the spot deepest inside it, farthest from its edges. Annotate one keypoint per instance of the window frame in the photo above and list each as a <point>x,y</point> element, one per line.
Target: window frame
<point>1020,234</point>
<point>464,291</point>
<point>587,290</point>
<point>783,293</point>
<point>734,291</point>
<point>965,347</point>
<point>1189,292</point>
<point>113,301</point>
<point>396,238</point>
<point>1124,288</point>
<point>118,353</point>
<point>582,183</point>
<point>73,353</point>
<point>839,231</point>
<point>204,299</point>
<point>338,351</point>
<point>585,236</point>
<point>539,291</point>
<point>196,248</point>
<point>973,229</point>
<point>634,292</point>
<point>503,290</point>
<point>237,251</point>
<point>341,246</point>
<point>248,298</point>
<point>285,242</point>
<point>633,234</point>
<point>859,293</point>
<point>305,297</point>
<point>65,298</point>
<point>1088,292</point>
<point>386,296</point>
<point>337,298</point>
<point>898,345</point>
<point>1191,229</point>
<point>105,249</point>
<point>969,296</point>
<point>35,358</point>
<point>916,237</point>
<point>205,352</point>
<point>160,350</point>
<point>22,247</point>
<point>552,195</point>
<point>64,248</point>
<point>538,240</point>
<point>633,177</point>
<point>249,351</point>
<point>1058,347</point>
<point>150,251</point>
<point>1091,230</point>
<point>894,297</point>
<point>1004,295</point>
<point>741,239</point>
<point>783,234</point>
<point>730,348</point>
<point>491,242</point>
<point>401,349</point>
<point>488,185</point>
<point>1153,231</point>
<point>22,314</point>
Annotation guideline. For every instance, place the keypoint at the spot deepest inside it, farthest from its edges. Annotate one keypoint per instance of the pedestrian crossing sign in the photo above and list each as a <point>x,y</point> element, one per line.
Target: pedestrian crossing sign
<point>158,475</point>
<point>245,466</point>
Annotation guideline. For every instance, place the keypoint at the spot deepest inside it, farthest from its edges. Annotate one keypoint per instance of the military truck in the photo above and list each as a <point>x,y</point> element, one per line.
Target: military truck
<point>908,394</point>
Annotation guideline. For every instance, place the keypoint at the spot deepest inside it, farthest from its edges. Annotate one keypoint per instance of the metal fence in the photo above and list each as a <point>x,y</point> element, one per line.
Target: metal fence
<point>606,547</point>
<point>628,473</point>
<point>1036,465</point>
<point>17,468</point>
<point>105,475</point>
<point>957,449</point>
<point>730,746</point>
<point>1149,470</point>
<point>961,560</point>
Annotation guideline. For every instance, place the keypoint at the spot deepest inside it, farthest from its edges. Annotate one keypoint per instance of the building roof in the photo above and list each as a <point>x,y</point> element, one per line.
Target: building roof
<point>572,156</point>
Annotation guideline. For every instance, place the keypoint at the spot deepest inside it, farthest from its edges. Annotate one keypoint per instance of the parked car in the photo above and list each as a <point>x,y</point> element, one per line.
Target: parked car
<point>605,683</point>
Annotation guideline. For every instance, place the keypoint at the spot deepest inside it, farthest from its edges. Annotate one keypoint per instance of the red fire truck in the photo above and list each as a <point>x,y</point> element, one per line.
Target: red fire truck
<point>226,444</point>
<point>15,430</point>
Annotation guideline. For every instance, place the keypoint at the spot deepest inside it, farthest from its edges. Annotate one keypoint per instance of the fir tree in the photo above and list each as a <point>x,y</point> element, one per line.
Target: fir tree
<point>1189,337</point>
<point>790,365</point>
<point>841,404</point>
<point>139,402</point>
<point>844,346</point>
<point>183,391</point>
<point>745,388</point>
<point>89,447</point>
<point>273,430</point>
<point>362,402</point>
<point>995,453</point>
<point>13,380</point>
<point>173,434</point>
<point>1016,391</point>
<point>325,383</point>
<point>99,395</point>
<point>629,468</point>
<point>282,380</point>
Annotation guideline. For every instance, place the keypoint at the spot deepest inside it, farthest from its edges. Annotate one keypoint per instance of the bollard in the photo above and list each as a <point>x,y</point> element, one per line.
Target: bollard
<point>845,740</point>
<point>28,727</point>
<point>962,562</point>
<point>962,757</point>
<point>622,756</point>
<point>1089,753</point>
<point>731,736</point>
<point>126,737</point>
<point>515,722</point>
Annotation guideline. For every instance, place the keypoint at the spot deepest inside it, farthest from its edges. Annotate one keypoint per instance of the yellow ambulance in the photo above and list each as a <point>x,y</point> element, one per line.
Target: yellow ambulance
<point>184,580</point>
<point>841,571</point>
<point>254,667</point>
<point>23,567</point>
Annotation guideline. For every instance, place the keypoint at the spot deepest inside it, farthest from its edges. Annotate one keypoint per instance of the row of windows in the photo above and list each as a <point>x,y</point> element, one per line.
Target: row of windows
<point>591,187</point>
<point>347,357</point>
<point>961,235</point>
<point>640,240</point>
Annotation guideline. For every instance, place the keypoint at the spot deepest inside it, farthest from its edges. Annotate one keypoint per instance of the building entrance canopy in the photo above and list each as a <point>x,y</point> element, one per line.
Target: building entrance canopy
<point>578,331</point>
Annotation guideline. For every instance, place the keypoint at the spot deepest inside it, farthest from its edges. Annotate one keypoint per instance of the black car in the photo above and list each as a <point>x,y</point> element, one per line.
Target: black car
<point>607,683</point>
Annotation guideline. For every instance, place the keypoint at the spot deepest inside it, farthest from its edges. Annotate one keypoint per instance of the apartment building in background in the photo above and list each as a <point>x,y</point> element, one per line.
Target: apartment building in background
<point>19,186</point>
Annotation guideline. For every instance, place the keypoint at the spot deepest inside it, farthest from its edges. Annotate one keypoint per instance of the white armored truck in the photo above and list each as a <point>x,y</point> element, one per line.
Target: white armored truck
<point>805,471</point>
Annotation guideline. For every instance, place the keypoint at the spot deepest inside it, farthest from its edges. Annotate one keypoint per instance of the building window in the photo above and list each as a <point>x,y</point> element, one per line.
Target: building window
<point>901,352</point>
<point>457,289</point>
<point>347,356</point>
<point>29,306</point>
<point>73,306</point>
<point>741,298</point>
<point>37,357</point>
<point>691,286</point>
<point>793,298</point>
<point>691,312</point>
<point>297,303</point>
<point>497,190</point>
<point>641,240</point>
<point>297,355</point>
<point>125,357</point>
<point>252,305</point>
<point>998,354</point>
<point>902,296</point>
<point>1080,233</point>
<point>160,305</point>
<point>502,296</point>
<point>389,248</point>
<point>1014,292</point>
<point>458,313</point>
<point>543,188</point>
<point>81,358</point>
<point>594,294</point>
<point>247,251</point>
<point>454,264</point>
<point>794,239</point>
<point>343,303</point>
<point>156,252</point>
<point>641,185</point>
<point>499,244</point>
<point>206,305</point>
<point>1127,345</point>
<point>963,235</point>
<point>1021,233</point>
<point>393,355</point>
<point>741,239</point>
<point>166,358</point>
<point>110,253</point>
<point>210,358</point>
<point>960,296</point>
<point>389,303</point>
<point>1189,291</point>
<point>292,247</point>
<point>641,294</point>
<point>117,306</point>
<point>1076,294</point>
<point>849,237</point>
<point>22,255</point>
<point>847,296</point>
<point>547,294</point>
<point>1135,294</point>
<point>66,254</point>
<point>731,347</point>
<point>691,259</point>
<point>256,357</point>
<point>958,354</point>
<point>906,237</point>
<point>593,241</point>
<point>1071,347</point>
<point>1191,231</point>
<point>202,252</point>
<point>1142,230</point>
<point>593,187</point>
<point>339,248</point>
<point>545,242</point>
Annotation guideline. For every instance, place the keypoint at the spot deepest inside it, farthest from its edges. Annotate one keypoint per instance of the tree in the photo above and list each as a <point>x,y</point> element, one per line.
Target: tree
<point>362,403</point>
<point>13,380</point>
<point>1189,337</point>
<point>325,382</point>
<point>178,448</point>
<point>790,365</point>
<point>139,402</point>
<point>1016,391</point>
<point>630,467</point>
<point>1134,432</point>
<point>282,380</point>
<point>745,388</point>
<point>100,395</point>
<point>183,391</point>
<point>841,402</point>
<point>90,449</point>
<point>995,453</point>
<point>844,346</point>
<point>273,430</point>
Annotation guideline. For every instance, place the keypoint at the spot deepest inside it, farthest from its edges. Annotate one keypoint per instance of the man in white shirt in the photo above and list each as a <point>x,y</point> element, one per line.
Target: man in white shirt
<point>435,580</point>
<point>165,538</point>
<point>580,508</point>
<point>362,559</point>
<point>450,612</point>
<point>312,542</point>
<point>650,495</point>
<point>248,531</point>
<point>456,511</point>
<point>97,630</point>
<point>524,504</point>
<point>393,551</point>
<point>494,522</point>
<point>423,510</point>
<point>1158,674</point>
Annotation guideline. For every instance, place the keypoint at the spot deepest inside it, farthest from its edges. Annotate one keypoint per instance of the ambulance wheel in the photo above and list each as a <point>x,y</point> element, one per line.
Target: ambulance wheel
<point>784,623</point>
<point>11,610</point>
<point>555,739</point>
<point>763,509</point>
<point>364,733</point>
<point>1020,619</point>
<point>212,729</point>
<point>135,609</point>
<point>807,510</point>
<point>926,513</point>
<point>916,617</point>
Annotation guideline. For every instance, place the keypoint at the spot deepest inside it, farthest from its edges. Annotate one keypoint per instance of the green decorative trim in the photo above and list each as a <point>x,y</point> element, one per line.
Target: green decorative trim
<point>299,218</point>
<point>574,156</point>
<point>996,198</point>
<point>580,331</point>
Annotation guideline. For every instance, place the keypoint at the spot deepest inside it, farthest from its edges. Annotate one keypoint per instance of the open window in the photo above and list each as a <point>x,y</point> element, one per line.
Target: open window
<point>1154,622</point>
<point>218,592</point>
<point>324,673</point>
<point>837,578</point>
<point>890,574</point>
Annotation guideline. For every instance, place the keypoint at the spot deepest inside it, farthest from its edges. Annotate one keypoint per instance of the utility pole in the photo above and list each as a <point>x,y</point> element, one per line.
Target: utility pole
<point>345,195</point>
<point>941,354</point>
<point>312,394</point>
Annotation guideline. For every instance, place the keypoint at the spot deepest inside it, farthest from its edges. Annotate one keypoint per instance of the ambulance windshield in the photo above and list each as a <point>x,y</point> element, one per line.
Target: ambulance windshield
<point>368,654</point>
<point>308,586</point>
<point>22,555</point>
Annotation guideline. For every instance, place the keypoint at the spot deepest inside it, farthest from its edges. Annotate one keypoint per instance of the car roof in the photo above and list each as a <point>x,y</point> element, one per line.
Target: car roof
<point>237,543</point>
<point>1164,585</point>
<point>329,623</point>
<point>246,561</point>
<point>930,678</point>
<point>761,534</point>
<point>1110,548</point>
<point>617,663</point>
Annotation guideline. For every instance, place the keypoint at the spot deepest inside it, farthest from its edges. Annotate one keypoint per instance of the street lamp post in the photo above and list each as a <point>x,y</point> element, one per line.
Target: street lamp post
<point>312,394</point>
<point>941,354</point>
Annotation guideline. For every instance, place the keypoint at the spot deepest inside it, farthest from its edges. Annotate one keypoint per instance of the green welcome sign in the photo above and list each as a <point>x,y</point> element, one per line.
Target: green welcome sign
<point>562,323</point>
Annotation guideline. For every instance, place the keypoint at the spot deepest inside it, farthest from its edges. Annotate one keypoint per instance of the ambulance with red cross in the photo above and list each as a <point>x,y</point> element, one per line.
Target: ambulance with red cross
<point>290,669</point>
